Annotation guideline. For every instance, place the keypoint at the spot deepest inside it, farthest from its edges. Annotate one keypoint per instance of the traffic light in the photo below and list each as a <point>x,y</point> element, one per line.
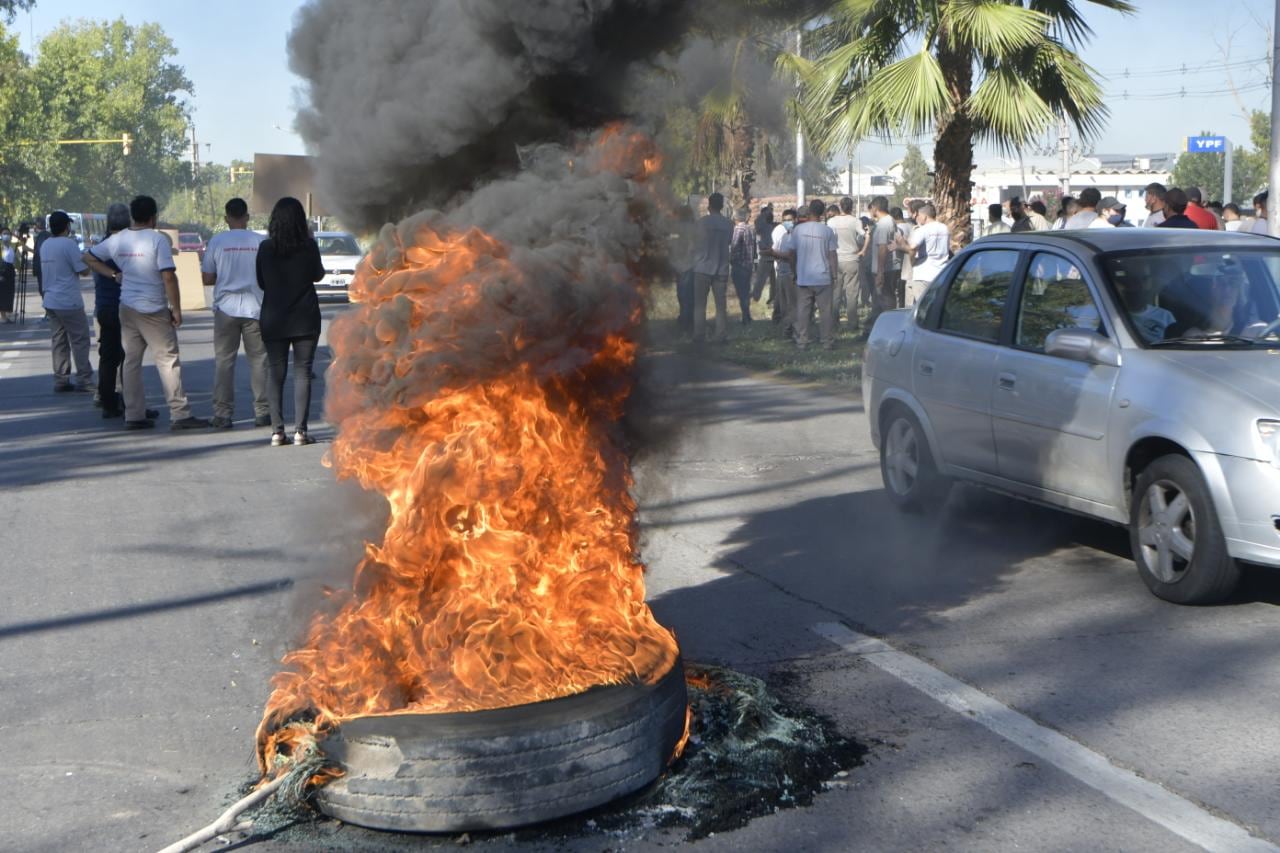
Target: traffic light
<point>126,140</point>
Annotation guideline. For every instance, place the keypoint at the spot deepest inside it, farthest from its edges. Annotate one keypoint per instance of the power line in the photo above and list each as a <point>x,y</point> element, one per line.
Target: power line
<point>1184,93</point>
<point>1205,68</point>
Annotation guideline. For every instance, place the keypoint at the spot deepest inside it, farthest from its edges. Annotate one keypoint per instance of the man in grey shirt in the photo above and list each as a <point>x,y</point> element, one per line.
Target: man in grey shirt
<point>64,306</point>
<point>711,268</point>
<point>883,236</point>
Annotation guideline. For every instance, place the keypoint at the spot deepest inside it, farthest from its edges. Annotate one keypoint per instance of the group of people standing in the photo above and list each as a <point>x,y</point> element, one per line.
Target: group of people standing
<point>819,260</point>
<point>1167,207</point>
<point>264,299</point>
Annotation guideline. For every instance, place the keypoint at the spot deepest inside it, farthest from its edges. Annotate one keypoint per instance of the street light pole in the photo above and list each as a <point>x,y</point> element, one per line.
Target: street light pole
<point>800,130</point>
<point>1273,204</point>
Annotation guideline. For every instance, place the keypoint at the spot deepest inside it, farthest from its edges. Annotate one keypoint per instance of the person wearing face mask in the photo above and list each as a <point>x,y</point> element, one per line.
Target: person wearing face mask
<point>6,275</point>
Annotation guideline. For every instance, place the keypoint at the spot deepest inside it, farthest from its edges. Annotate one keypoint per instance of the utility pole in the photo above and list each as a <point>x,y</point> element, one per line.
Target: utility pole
<point>1064,147</point>
<point>800,129</point>
<point>195,167</point>
<point>1273,204</point>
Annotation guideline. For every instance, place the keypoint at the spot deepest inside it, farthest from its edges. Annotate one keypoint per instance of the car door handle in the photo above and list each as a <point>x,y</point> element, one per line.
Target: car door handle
<point>1007,381</point>
<point>926,367</point>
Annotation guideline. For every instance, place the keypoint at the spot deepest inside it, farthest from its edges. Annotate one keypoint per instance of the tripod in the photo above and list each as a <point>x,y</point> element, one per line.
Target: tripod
<point>20,297</point>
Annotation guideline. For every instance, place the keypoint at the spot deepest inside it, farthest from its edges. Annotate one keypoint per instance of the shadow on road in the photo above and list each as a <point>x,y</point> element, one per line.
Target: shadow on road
<point>144,608</point>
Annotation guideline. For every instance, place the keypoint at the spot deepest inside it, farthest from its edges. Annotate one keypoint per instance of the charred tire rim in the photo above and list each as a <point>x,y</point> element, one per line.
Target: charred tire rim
<point>902,458</point>
<point>507,767</point>
<point>1166,531</point>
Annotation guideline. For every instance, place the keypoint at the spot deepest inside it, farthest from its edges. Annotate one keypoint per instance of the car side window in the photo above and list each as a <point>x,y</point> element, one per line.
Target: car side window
<point>1055,297</point>
<point>974,304</point>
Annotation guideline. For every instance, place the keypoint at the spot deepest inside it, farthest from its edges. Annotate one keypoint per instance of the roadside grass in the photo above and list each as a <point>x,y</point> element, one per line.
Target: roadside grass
<point>760,345</point>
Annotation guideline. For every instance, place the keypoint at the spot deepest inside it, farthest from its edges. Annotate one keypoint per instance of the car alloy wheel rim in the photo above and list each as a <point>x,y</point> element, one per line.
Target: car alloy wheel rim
<point>1167,531</point>
<point>902,456</point>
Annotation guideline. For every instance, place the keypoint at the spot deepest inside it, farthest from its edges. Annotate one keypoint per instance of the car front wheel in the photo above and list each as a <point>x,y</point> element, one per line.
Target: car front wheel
<point>1175,535</point>
<point>910,476</point>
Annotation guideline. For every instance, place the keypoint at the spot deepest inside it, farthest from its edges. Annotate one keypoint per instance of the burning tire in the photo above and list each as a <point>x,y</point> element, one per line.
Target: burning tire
<point>507,767</point>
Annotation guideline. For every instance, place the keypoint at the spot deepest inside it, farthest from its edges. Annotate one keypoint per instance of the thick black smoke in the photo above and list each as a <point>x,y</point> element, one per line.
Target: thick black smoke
<point>411,103</point>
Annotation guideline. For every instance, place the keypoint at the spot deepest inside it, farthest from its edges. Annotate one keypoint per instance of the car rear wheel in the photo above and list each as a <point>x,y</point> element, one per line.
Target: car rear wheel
<point>1175,535</point>
<point>910,476</point>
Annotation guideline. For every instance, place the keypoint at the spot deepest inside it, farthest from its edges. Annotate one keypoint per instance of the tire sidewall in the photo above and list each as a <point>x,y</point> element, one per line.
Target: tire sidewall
<point>1212,573</point>
<point>924,492</point>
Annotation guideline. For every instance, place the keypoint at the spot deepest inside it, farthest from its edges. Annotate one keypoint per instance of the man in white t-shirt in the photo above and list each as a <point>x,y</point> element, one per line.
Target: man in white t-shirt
<point>150,313</point>
<point>230,268</point>
<point>786,293</point>
<point>849,237</point>
<point>930,242</point>
<point>1153,198</point>
<point>810,248</point>
<point>1260,214</point>
<point>1089,200</point>
<point>60,268</point>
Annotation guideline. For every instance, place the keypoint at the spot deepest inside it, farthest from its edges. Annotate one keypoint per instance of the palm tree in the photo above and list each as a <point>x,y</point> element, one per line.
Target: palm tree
<point>1002,71</point>
<point>728,141</point>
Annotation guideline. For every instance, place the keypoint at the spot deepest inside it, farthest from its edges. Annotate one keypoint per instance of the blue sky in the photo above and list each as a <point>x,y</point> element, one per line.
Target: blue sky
<point>234,53</point>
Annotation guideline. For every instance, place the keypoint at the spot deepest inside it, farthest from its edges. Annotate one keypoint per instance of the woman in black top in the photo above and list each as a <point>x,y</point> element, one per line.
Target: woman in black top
<point>288,268</point>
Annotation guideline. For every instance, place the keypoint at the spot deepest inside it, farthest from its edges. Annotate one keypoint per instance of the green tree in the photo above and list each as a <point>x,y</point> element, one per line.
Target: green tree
<point>915,181</point>
<point>23,167</point>
<point>996,70</point>
<point>99,80</point>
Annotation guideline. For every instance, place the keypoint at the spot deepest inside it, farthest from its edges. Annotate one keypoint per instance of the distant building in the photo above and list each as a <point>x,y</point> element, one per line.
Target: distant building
<point>1123,176</point>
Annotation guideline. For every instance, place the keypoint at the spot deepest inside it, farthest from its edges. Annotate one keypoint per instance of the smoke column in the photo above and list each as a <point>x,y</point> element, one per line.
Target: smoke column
<point>413,102</point>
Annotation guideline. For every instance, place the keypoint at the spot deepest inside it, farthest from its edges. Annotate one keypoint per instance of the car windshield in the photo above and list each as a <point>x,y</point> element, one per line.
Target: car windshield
<point>342,244</point>
<point>1198,297</point>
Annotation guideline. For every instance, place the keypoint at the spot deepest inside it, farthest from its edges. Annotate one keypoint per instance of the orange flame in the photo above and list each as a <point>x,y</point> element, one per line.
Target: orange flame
<point>508,572</point>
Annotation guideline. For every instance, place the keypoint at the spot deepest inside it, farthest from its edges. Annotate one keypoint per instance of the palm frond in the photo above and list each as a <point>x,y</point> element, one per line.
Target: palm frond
<point>992,28</point>
<point>1075,30</point>
<point>907,97</point>
<point>1008,110</point>
<point>1068,85</point>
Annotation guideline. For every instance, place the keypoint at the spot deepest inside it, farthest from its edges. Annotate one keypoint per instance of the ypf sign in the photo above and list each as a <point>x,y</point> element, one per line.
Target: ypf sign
<point>1214,145</point>
<point>1206,144</point>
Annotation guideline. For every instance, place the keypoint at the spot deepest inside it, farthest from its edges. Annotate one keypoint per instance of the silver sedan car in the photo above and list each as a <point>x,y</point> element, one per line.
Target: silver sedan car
<point>1128,374</point>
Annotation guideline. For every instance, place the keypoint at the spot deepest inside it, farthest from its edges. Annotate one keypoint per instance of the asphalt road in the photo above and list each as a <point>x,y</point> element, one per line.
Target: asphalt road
<point>150,581</point>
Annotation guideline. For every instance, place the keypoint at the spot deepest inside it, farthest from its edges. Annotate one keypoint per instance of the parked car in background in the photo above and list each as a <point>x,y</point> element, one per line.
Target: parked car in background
<point>1128,374</point>
<point>340,253</point>
<point>189,241</point>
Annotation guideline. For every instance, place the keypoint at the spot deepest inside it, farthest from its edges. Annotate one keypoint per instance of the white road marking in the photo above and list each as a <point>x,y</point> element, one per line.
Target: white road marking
<point>1158,804</point>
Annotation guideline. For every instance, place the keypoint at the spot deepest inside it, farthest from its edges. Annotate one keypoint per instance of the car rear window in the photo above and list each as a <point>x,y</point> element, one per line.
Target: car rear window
<point>340,245</point>
<point>975,302</point>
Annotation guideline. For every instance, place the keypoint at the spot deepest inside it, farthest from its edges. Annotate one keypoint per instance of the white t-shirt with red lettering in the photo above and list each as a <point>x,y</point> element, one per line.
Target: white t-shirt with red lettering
<point>141,254</point>
<point>233,257</point>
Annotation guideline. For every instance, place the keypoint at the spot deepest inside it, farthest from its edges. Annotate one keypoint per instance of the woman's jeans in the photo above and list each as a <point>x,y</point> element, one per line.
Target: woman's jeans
<point>304,354</point>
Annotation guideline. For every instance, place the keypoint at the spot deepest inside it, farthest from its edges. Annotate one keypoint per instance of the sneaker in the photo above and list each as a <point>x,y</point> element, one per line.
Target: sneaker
<point>300,438</point>
<point>84,388</point>
<point>278,439</point>
<point>189,423</point>
<point>64,389</point>
<point>140,424</point>
<point>219,422</point>
<point>262,420</point>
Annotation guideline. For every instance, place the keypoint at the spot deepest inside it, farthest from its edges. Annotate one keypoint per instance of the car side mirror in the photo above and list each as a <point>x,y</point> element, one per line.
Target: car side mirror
<point>1082,345</point>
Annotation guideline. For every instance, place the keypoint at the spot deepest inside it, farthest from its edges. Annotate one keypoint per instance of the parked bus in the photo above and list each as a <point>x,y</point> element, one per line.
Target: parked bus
<point>88,229</point>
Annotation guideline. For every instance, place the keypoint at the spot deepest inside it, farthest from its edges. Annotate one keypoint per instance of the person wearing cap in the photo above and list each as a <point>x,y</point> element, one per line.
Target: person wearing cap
<point>1196,213</point>
<point>64,305</point>
<point>1110,214</point>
